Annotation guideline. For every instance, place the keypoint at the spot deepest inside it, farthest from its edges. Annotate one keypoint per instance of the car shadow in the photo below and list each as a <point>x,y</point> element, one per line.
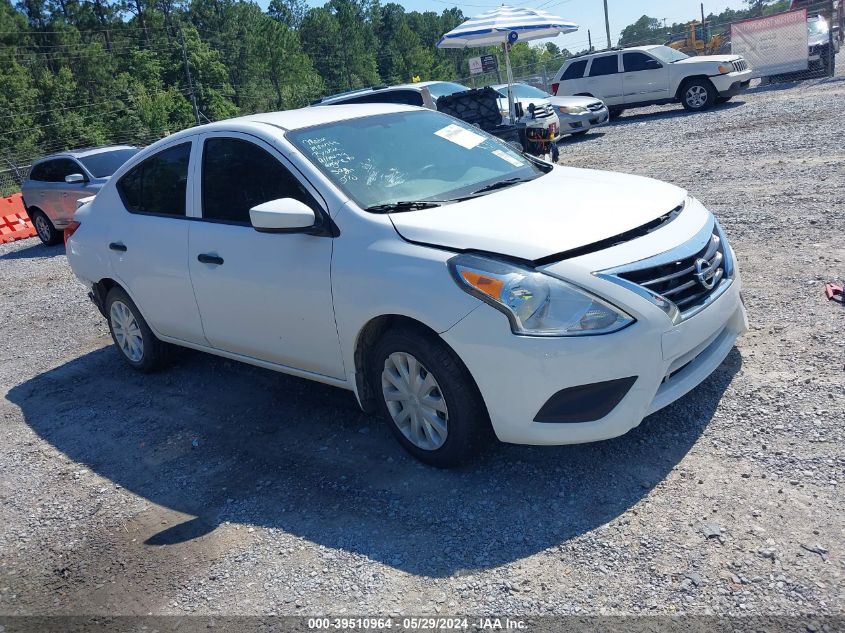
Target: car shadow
<point>573,139</point>
<point>35,251</point>
<point>677,111</point>
<point>226,442</point>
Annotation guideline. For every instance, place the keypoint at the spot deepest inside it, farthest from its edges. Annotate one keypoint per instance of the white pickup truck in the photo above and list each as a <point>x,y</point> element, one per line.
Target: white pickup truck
<point>648,75</point>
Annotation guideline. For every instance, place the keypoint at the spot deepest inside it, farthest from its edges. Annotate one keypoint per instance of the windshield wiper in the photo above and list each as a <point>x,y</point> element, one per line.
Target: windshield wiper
<point>399,207</point>
<point>502,184</point>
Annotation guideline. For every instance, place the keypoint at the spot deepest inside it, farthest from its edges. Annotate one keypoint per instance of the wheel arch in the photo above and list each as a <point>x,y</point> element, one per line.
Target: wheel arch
<point>686,80</point>
<point>100,290</point>
<point>367,337</point>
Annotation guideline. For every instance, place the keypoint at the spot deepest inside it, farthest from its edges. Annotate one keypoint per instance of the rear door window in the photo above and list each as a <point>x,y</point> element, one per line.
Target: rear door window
<point>41,171</point>
<point>62,167</point>
<point>606,65</point>
<point>575,70</point>
<point>158,185</point>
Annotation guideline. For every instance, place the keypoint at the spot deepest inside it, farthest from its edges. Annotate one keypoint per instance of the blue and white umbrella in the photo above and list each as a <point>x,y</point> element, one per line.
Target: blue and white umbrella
<point>506,24</point>
<point>495,27</point>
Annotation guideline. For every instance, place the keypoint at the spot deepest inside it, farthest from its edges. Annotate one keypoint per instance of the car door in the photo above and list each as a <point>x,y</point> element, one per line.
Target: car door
<point>261,295</point>
<point>71,192</point>
<point>644,78</point>
<point>148,241</point>
<point>48,195</point>
<point>604,79</point>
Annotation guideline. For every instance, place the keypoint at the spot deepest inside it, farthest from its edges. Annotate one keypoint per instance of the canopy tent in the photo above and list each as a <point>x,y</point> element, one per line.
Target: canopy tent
<point>506,25</point>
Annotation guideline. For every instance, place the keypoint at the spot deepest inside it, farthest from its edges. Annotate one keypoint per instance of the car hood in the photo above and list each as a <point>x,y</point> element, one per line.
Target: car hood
<point>818,39</point>
<point>562,210</point>
<point>718,59</point>
<point>571,102</point>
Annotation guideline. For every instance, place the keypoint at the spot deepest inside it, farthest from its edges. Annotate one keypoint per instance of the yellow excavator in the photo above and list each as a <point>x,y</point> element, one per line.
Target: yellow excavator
<point>699,39</point>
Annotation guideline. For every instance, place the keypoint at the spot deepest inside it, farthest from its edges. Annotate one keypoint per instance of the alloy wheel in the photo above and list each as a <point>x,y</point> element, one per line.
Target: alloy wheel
<point>696,97</point>
<point>415,401</point>
<point>127,333</point>
<point>42,225</point>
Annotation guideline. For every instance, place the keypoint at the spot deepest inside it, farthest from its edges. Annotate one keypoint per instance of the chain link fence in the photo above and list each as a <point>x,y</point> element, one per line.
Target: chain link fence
<point>539,74</point>
<point>784,46</point>
<point>794,45</point>
<point>12,175</point>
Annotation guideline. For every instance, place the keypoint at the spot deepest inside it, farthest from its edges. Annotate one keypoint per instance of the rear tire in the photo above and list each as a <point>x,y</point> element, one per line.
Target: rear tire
<point>44,228</point>
<point>698,95</point>
<point>428,397</point>
<point>133,338</point>
<point>615,113</point>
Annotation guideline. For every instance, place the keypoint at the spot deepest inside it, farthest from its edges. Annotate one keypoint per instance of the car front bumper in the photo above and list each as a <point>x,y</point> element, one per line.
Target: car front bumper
<point>732,84</point>
<point>519,375</point>
<point>574,123</point>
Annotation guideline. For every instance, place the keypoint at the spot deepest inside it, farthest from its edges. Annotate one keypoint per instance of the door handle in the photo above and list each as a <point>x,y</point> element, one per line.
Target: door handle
<point>117,246</point>
<point>207,258</point>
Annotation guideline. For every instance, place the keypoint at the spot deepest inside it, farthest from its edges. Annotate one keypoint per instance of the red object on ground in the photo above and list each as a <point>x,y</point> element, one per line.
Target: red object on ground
<point>832,290</point>
<point>14,221</point>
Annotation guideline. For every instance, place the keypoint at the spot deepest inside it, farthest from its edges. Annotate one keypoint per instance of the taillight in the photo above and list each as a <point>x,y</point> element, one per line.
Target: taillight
<point>70,229</point>
<point>555,86</point>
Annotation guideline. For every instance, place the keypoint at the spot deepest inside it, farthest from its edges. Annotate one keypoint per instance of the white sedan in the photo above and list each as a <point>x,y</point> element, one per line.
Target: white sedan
<point>577,115</point>
<point>451,288</point>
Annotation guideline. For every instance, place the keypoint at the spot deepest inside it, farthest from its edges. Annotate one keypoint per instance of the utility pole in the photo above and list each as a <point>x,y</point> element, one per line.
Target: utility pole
<point>190,81</point>
<point>607,24</point>
<point>702,15</point>
<point>590,40</point>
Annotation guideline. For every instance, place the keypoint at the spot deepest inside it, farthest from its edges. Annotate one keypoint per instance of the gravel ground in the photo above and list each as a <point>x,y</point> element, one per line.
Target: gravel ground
<point>218,488</point>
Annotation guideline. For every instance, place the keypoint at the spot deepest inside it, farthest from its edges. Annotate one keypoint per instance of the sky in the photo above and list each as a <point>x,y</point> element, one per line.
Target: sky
<point>588,14</point>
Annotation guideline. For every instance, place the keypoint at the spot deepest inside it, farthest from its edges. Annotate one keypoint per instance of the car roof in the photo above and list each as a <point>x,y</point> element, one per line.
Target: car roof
<point>370,89</point>
<point>615,49</point>
<point>86,151</point>
<point>290,120</point>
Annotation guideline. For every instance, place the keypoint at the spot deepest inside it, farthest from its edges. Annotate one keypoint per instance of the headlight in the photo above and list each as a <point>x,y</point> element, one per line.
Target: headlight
<point>536,304</point>
<point>572,109</point>
<point>726,69</point>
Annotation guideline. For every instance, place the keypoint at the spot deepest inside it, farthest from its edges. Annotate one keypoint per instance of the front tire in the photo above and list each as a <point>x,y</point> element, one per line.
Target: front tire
<point>427,395</point>
<point>698,95</point>
<point>136,342</point>
<point>615,113</point>
<point>44,228</point>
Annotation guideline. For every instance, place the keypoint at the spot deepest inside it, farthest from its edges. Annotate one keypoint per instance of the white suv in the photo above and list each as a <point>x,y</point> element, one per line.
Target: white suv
<point>649,75</point>
<point>448,286</point>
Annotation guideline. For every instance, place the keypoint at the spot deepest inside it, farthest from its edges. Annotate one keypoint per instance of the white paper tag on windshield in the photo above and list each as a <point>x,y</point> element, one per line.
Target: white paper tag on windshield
<point>507,157</point>
<point>460,136</point>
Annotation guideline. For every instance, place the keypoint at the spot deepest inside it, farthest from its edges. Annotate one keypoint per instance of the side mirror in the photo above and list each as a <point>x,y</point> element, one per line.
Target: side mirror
<point>284,215</point>
<point>74,179</point>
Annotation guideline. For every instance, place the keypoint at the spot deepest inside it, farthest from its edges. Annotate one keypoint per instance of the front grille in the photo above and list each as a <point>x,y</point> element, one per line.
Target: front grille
<point>740,65</point>
<point>685,282</point>
<point>543,112</point>
<point>595,107</point>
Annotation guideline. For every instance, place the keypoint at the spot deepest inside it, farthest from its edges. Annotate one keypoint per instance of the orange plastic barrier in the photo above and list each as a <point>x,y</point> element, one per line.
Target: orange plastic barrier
<point>14,221</point>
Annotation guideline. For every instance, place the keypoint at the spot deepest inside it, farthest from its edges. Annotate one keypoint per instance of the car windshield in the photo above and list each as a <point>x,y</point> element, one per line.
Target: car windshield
<point>667,54</point>
<point>443,88</point>
<point>104,164</point>
<point>411,156</point>
<point>523,91</point>
<point>817,27</point>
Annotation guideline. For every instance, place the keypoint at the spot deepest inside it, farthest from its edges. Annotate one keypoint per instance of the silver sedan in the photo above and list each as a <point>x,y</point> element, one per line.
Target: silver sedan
<point>578,115</point>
